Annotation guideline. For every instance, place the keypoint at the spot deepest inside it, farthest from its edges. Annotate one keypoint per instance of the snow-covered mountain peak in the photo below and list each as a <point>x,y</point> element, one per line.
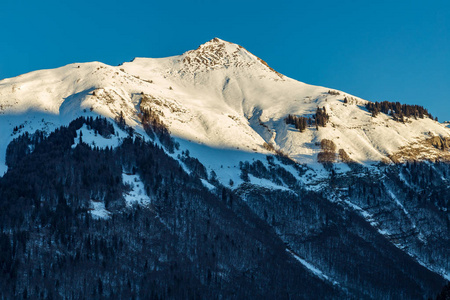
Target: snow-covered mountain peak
<point>220,54</point>
<point>217,52</point>
<point>222,96</point>
<point>236,122</point>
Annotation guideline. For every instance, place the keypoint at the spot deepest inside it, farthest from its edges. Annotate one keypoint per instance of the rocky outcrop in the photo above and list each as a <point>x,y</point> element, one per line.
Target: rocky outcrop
<point>439,142</point>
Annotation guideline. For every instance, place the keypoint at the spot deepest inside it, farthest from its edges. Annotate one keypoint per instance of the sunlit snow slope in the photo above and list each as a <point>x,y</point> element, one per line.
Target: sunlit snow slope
<point>219,95</point>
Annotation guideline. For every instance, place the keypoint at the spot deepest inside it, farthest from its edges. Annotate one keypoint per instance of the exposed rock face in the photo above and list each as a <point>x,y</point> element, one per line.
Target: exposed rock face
<point>432,149</point>
<point>439,142</point>
<point>219,54</point>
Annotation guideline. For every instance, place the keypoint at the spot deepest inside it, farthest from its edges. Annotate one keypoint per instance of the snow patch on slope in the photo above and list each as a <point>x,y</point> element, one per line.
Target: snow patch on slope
<point>98,210</point>
<point>262,182</point>
<point>312,268</point>
<point>137,194</point>
<point>89,137</point>
<point>208,185</point>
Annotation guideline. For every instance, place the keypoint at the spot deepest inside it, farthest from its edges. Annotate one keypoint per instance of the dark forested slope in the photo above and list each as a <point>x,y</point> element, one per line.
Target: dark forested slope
<point>189,243</point>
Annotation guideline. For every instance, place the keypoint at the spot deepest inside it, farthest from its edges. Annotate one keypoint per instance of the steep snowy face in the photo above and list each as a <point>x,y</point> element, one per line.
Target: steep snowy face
<point>222,96</point>
<point>226,94</point>
<point>234,100</point>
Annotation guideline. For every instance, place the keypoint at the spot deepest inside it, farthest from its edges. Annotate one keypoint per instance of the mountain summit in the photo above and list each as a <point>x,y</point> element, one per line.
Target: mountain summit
<point>211,175</point>
<point>218,53</point>
<point>223,96</point>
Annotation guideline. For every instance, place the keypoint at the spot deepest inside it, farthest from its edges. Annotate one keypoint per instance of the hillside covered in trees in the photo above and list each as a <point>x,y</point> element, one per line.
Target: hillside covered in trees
<point>397,110</point>
<point>189,242</point>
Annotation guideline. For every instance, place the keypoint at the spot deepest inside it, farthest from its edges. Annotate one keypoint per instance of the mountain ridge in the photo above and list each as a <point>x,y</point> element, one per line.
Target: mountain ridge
<point>313,166</point>
<point>222,81</point>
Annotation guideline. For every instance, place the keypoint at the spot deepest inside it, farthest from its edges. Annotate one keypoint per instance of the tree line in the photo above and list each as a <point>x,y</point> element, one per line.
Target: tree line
<point>397,110</point>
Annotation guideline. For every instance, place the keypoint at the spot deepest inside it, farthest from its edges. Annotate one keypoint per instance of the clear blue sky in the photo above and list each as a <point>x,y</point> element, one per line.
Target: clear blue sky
<point>378,50</point>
